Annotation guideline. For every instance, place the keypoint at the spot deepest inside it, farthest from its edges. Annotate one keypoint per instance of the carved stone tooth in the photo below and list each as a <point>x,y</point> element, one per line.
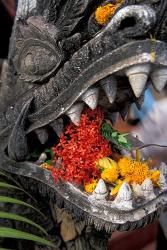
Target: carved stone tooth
<point>159,78</point>
<point>163,182</point>
<point>124,198</point>
<point>58,126</point>
<point>163,168</point>
<point>138,75</point>
<point>75,112</point>
<point>100,191</point>
<point>124,194</point>
<point>17,145</point>
<point>113,117</point>
<point>42,158</point>
<point>124,111</point>
<point>139,102</point>
<point>148,189</point>
<point>90,97</point>
<point>137,189</point>
<point>109,85</point>
<point>42,135</point>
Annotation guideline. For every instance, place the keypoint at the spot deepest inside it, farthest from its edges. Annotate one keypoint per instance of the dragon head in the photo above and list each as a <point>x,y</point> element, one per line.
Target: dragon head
<point>64,55</point>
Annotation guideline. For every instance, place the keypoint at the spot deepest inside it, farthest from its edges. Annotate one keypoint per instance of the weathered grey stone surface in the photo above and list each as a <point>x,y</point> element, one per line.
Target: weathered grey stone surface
<point>57,52</point>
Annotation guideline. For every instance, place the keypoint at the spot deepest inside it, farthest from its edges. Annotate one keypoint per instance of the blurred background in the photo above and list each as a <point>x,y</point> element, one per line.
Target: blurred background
<point>149,124</point>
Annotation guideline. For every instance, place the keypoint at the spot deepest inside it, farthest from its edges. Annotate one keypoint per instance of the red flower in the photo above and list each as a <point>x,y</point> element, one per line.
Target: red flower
<point>80,147</point>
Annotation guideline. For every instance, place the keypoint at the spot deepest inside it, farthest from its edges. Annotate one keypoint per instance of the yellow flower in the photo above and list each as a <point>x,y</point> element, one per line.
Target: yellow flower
<point>105,163</point>
<point>109,169</point>
<point>115,190</point>
<point>154,176</point>
<point>90,186</point>
<point>104,13</point>
<point>46,166</point>
<point>126,166</point>
<point>133,171</point>
<point>110,174</point>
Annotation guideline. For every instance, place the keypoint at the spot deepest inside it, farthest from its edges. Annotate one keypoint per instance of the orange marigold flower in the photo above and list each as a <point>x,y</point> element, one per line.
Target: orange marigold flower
<point>154,176</point>
<point>133,171</point>
<point>46,166</point>
<point>125,166</point>
<point>90,186</point>
<point>104,13</point>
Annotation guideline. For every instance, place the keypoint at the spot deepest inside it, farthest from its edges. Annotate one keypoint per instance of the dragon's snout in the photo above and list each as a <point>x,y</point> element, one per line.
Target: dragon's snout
<point>132,21</point>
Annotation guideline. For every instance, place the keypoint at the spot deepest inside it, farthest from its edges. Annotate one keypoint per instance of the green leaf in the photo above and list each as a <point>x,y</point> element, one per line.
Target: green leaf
<point>126,145</point>
<point>10,178</point>
<point>50,151</point>
<point>6,185</point>
<point>114,134</point>
<point>14,181</point>
<point>118,140</point>
<point>4,248</point>
<point>125,134</point>
<point>6,199</point>
<point>122,139</point>
<point>5,215</point>
<point>6,232</point>
<point>1,173</point>
<point>49,162</point>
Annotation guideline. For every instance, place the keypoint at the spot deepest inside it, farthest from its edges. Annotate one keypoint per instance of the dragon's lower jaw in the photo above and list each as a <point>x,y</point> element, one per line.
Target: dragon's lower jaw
<point>130,209</point>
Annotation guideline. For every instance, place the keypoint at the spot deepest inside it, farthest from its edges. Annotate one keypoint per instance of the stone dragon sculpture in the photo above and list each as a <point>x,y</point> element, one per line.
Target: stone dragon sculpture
<point>61,58</point>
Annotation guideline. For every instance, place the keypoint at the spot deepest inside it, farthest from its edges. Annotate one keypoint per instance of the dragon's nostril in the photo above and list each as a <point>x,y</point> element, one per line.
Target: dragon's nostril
<point>127,23</point>
<point>139,17</point>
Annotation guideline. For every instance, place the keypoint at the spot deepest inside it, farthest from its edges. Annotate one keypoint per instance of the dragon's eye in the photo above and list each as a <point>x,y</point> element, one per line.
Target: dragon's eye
<point>37,60</point>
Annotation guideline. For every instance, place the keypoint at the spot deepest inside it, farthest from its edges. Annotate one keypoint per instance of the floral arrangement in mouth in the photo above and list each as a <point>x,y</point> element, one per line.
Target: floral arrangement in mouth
<point>84,155</point>
<point>125,170</point>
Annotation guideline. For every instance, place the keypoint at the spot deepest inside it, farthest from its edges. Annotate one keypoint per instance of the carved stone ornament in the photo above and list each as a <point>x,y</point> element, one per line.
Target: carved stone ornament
<point>66,55</point>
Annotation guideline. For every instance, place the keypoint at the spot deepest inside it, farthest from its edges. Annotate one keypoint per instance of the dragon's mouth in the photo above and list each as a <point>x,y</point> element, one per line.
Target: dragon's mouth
<point>129,77</point>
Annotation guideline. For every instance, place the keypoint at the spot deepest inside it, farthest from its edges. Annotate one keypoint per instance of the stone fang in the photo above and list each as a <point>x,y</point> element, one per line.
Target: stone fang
<point>163,168</point>
<point>42,135</point>
<point>42,159</point>
<point>58,126</point>
<point>159,78</point>
<point>137,190</point>
<point>90,97</point>
<point>109,85</point>
<point>100,191</point>
<point>113,117</point>
<point>75,112</point>
<point>148,189</point>
<point>17,144</point>
<point>124,111</point>
<point>139,102</point>
<point>163,182</point>
<point>124,198</point>
<point>138,75</point>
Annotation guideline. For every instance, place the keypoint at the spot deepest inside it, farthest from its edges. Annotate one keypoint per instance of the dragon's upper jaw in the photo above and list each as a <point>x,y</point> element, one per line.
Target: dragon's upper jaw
<point>148,58</point>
